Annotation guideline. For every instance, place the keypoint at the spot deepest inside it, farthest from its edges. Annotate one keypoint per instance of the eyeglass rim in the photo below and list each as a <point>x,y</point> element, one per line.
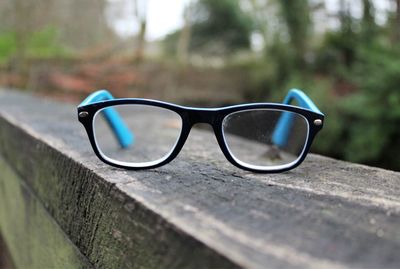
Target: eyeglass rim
<point>193,115</point>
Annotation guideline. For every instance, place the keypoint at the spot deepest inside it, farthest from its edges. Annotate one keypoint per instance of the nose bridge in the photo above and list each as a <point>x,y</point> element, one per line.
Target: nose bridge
<point>202,116</point>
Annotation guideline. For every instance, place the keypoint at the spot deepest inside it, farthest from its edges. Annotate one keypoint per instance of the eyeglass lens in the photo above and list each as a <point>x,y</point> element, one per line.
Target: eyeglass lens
<point>156,131</point>
<point>265,138</point>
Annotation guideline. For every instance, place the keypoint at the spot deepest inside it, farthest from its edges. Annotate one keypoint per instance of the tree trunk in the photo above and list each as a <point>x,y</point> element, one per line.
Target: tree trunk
<point>397,22</point>
<point>297,18</point>
<point>368,20</point>
<point>141,41</point>
<point>140,14</point>
<point>184,38</point>
<point>21,28</point>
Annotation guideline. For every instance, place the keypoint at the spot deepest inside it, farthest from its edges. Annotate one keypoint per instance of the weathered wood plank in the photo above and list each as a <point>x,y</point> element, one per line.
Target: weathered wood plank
<point>32,236</point>
<point>199,211</point>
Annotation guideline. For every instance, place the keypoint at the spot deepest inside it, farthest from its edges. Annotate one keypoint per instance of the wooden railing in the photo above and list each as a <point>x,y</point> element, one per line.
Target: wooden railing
<point>60,207</point>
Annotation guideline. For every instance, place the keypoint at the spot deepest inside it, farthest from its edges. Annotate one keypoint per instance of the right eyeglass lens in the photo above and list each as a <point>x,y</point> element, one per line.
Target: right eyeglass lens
<point>150,133</point>
<point>265,138</point>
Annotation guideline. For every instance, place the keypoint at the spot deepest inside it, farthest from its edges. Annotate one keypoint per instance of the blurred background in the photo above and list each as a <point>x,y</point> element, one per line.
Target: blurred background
<point>344,54</point>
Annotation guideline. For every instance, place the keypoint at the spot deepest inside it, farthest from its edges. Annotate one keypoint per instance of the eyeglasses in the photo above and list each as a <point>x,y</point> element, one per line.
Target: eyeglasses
<point>260,137</point>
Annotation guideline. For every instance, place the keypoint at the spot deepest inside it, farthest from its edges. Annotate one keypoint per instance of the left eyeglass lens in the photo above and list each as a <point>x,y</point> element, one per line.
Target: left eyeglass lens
<point>155,132</point>
<point>265,138</point>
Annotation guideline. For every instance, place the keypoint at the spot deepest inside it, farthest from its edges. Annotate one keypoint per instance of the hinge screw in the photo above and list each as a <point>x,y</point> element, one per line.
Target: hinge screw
<point>317,122</point>
<point>83,114</point>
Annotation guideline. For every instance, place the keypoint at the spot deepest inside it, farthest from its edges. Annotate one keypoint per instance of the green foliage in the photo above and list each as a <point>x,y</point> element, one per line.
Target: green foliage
<point>44,44</point>
<point>41,44</point>
<point>342,44</point>
<point>7,46</point>
<point>267,73</point>
<point>373,112</point>
<point>282,58</point>
<point>220,25</point>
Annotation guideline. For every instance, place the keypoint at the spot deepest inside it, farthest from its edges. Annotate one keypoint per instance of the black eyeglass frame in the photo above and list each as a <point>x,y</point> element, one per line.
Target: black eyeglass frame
<point>191,116</point>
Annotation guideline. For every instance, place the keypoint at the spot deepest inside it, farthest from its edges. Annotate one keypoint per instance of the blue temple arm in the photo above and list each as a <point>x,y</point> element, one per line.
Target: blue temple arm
<point>121,131</point>
<point>282,130</point>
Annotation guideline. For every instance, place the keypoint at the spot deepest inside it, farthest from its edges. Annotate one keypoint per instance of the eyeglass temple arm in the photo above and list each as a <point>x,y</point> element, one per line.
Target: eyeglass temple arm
<point>121,131</point>
<point>281,133</point>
